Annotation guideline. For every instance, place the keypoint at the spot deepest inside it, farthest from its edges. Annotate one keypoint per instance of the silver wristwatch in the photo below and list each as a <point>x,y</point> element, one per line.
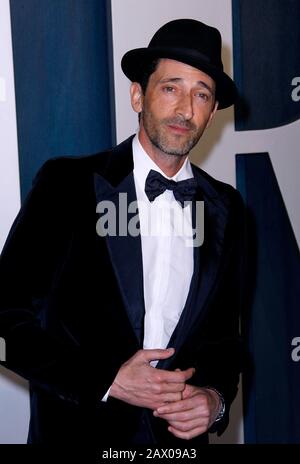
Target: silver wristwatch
<point>222,408</point>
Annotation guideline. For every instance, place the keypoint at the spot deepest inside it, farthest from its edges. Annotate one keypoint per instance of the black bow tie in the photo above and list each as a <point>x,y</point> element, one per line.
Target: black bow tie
<point>156,184</point>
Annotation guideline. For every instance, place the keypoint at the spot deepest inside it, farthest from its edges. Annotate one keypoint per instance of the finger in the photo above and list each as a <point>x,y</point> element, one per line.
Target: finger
<point>190,425</point>
<point>188,373</point>
<point>178,406</point>
<point>190,391</point>
<point>182,416</point>
<point>169,387</point>
<point>187,435</point>
<point>175,376</point>
<point>167,398</point>
<point>154,355</point>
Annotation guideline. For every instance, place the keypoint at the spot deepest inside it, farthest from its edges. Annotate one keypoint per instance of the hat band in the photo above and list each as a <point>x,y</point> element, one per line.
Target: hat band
<point>190,53</point>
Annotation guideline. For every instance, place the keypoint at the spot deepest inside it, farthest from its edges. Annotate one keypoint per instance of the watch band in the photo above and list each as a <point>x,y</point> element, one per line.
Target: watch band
<point>222,401</point>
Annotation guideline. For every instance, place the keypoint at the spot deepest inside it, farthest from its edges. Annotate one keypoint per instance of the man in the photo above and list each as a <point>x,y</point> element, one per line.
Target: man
<point>132,338</point>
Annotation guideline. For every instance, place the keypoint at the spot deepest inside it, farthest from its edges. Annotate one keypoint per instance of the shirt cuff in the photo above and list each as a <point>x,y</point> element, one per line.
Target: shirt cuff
<point>104,399</point>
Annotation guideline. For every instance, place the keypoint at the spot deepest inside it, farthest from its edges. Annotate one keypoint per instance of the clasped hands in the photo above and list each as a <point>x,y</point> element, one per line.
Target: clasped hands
<point>189,410</point>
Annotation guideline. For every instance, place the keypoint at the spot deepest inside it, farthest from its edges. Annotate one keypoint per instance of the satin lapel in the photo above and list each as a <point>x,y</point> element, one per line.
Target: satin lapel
<point>207,262</point>
<point>125,250</point>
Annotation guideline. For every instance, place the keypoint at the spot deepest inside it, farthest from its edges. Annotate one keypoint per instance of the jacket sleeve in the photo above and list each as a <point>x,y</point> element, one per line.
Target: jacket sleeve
<point>27,265</point>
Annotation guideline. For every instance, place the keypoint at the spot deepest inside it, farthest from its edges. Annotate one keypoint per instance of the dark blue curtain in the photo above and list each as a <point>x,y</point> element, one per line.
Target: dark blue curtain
<point>266,37</point>
<point>272,319</point>
<point>62,52</point>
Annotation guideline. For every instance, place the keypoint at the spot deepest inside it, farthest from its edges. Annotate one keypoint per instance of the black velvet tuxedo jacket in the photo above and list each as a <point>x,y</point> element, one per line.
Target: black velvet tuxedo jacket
<point>72,306</point>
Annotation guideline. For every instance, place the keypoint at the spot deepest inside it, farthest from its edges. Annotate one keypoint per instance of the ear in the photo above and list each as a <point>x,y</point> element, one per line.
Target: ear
<point>136,97</point>
<point>212,114</point>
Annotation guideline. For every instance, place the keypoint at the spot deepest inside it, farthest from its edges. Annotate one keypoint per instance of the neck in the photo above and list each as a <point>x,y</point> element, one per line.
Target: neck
<point>169,164</point>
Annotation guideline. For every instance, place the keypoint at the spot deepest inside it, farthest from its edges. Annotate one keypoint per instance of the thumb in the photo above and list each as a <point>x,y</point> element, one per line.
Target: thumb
<point>153,355</point>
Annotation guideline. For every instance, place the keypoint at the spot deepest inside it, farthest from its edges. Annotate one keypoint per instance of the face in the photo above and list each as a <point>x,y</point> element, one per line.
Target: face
<point>177,107</point>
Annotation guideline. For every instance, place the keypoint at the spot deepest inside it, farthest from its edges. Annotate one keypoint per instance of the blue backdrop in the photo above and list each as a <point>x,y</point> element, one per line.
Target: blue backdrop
<point>62,54</point>
<point>267,71</point>
<point>266,37</point>
<point>272,319</point>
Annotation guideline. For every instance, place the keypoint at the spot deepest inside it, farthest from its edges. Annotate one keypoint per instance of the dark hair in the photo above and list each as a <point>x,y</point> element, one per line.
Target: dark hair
<point>146,72</point>
<point>148,69</point>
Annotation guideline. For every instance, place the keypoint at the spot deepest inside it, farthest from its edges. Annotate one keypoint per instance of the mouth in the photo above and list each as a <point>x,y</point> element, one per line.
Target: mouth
<point>179,129</point>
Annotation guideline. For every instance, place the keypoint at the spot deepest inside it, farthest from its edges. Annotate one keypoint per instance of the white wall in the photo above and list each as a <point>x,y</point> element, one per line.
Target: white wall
<point>9,169</point>
<point>14,406</point>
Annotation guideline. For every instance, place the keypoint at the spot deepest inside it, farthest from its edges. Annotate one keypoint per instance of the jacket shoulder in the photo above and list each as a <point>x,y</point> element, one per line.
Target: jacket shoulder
<point>67,166</point>
<point>83,166</point>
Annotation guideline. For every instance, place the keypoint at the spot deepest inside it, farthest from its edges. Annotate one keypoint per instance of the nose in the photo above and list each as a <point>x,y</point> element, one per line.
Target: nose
<point>185,107</point>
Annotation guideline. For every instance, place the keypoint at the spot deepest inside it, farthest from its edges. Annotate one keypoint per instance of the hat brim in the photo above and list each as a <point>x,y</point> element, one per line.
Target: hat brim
<point>133,63</point>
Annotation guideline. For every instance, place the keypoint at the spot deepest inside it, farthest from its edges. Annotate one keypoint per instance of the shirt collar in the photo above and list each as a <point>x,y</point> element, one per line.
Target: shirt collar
<point>143,164</point>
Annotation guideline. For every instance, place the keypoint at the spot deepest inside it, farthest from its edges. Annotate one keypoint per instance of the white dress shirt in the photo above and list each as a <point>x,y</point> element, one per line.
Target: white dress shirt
<point>168,262</point>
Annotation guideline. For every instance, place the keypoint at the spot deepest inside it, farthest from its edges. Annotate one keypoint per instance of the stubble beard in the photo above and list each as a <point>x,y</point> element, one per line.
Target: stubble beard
<point>179,146</point>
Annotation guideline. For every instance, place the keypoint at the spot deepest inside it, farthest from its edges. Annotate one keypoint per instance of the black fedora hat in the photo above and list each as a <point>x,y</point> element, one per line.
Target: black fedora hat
<point>191,42</point>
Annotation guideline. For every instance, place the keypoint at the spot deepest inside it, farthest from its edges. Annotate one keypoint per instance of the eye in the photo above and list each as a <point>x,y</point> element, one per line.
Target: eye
<point>203,96</point>
<point>169,89</point>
